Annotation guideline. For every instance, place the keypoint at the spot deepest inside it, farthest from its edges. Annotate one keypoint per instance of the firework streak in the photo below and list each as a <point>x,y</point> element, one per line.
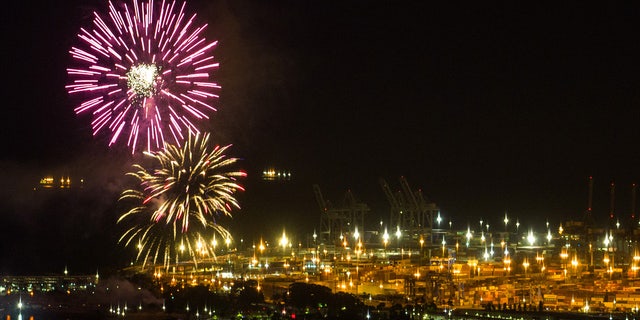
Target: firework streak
<point>175,206</point>
<point>144,73</point>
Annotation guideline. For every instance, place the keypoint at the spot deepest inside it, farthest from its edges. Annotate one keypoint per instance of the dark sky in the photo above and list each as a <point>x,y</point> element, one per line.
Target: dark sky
<point>486,107</point>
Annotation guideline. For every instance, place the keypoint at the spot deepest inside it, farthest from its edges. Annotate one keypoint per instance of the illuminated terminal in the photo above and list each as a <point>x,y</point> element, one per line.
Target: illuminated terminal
<point>272,174</point>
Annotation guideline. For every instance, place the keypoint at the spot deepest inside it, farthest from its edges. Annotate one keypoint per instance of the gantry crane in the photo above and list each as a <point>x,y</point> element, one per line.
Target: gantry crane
<point>410,211</point>
<point>337,221</point>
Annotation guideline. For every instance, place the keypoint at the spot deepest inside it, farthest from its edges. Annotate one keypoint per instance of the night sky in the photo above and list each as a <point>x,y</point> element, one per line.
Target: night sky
<point>492,108</point>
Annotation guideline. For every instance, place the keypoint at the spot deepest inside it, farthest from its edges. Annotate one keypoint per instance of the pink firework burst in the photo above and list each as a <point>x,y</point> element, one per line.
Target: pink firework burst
<point>144,72</point>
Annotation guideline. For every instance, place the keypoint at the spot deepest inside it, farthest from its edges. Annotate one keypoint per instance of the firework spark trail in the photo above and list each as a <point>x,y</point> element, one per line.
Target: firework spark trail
<point>144,70</point>
<point>176,205</point>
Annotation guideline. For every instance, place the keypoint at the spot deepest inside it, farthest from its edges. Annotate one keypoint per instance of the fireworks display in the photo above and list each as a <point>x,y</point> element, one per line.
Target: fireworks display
<point>176,205</point>
<point>144,72</point>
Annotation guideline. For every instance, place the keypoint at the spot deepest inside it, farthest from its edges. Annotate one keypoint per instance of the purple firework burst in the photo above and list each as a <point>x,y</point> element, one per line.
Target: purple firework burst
<point>144,72</point>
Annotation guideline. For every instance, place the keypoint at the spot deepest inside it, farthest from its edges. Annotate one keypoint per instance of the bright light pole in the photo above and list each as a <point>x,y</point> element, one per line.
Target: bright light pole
<point>385,240</point>
<point>608,240</point>
<point>284,242</point>
<point>574,264</point>
<point>315,237</point>
<point>19,306</point>
<point>398,235</point>
<point>417,275</point>
<point>507,261</point>
<point>563,257</point>
<point>531,238</point>
<point>228,242</point>
<point>261,247</point>
<point>421,246</point>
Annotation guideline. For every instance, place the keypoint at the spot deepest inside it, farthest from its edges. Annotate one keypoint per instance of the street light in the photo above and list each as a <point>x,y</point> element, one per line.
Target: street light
<point>315,236</point>
<point>421,246</point>
<point>228,242</point>
<point>507,262</point>
<point>444,243</point>
<point>606,262</point>
<point>563,257</point>
<point>540,260</point>
<point>417,275</point>
<point>491,251</point>
<point>634,267</point>
<point>284,242</point>
<point>531,238</point>
<point>575,263</point>
<point>563,254</point>
<point>398,235</point>
<point>385,240</point>
<point>506,221</point>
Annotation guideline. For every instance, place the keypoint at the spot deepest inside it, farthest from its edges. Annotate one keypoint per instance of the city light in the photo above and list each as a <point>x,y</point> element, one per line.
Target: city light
<point>284,241</point>
<point>385,238</point>
<point>531,238</point>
